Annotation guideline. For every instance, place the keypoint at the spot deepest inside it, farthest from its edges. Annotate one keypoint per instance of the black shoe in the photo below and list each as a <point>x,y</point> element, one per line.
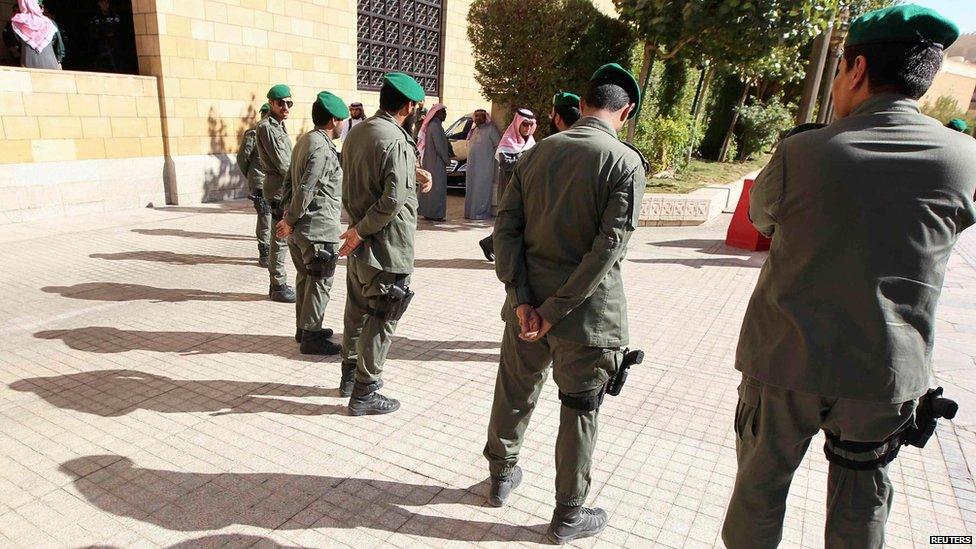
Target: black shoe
<point>366,401</point>
<point>488,248</point>
<point>327,333</point>
<point>281,294</point>
<point>502,487</point>
<point>348,380</point>
<point>262,255</point>
<point>317,343</point>
<point>572,523</point>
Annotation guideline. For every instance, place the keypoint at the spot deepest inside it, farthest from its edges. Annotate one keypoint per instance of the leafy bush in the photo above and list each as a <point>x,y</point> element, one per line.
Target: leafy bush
<point>945,109</point>
<point>527,50</point>
<point>761,125</point>
<point>664,141</point>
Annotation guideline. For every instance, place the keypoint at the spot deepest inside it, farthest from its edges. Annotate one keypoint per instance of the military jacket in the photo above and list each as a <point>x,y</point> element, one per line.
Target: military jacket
<point>274,148</point>
<point>562,231</point>
<point>249,161</point>
<point>316,180</point>
<point>379,191</point>
<point>863,214</point>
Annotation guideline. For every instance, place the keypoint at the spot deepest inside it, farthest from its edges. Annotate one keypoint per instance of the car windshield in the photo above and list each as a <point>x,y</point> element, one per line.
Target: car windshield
<point>459,129</point>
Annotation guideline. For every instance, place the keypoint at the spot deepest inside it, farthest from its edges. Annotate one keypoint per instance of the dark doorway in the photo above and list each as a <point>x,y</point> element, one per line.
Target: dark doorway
<point>93,41</point>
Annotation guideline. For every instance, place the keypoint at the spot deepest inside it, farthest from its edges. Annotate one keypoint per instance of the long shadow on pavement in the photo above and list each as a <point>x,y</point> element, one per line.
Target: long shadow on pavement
<point>753,262</point>
<point>195,234</point>
<point>104,339</point>
<point>474,264</point>
<point>114,291</point>
<point>173,258</point>
<point>115,393</point>
<point>199,501</point>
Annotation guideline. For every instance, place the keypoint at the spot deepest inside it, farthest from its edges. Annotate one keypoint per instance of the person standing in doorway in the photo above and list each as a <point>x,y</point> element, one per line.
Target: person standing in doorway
<point>435,155</point>
<point>37,35</point>
<point>103,33</point>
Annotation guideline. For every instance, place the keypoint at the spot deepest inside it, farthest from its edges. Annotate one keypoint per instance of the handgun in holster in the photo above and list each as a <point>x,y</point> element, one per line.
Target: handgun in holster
<point>392,305</point>
<point>324,262</point>
<point>932,407</point>
<point>277,213</point>
<point>619,378</point>
<point>261,205</point>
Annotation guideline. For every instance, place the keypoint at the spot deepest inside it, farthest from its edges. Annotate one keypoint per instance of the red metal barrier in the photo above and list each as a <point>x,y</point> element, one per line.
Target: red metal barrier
<point>741,232</point>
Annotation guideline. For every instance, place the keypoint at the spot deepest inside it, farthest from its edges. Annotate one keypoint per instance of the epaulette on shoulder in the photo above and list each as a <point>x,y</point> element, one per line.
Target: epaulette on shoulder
<point>639,154</point>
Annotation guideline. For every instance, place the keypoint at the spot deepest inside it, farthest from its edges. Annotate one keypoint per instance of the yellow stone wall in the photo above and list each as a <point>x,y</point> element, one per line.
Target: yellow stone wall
<point>956,80</point>
<point>51,116</point>
<point>217,59</point>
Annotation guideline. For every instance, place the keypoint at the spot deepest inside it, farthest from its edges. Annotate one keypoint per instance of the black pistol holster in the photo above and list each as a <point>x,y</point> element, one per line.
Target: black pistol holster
<point>261,205</point>
<point>324,263</point>
<point>611,387</point>
<point>932,406</point>
<point>392,305</point>
<point>277,213</point>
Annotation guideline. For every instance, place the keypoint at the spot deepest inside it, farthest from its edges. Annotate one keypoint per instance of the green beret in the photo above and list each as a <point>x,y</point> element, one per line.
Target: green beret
<point>565,99</point>
<point>265,109</point>
<point>615,74</point>
<point>405,84</point>
<point>958,124</point>
<point>333,104</point>
<point>902,24</point>
<point>280,91</point>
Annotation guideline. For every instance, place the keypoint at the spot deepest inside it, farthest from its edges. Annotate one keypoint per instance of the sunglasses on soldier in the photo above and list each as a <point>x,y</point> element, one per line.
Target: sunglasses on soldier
<point>284,103</point>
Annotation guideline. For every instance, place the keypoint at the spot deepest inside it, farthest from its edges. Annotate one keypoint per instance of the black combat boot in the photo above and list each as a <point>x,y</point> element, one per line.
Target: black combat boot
<point>572,523</point>
<point>263,255</point>
<point>281,294</point>
<point>348,379</point>
<point>502,487</point>
<point>487,248</point>
<point>317,343</point>
<point>327,332</point>
<point>366,401</point>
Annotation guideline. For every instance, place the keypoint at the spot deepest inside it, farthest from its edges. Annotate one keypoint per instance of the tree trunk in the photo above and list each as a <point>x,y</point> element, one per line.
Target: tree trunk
<point>645,75</point>
<point>703,82</point>
<point>815,68</point>
<point>735,119</point>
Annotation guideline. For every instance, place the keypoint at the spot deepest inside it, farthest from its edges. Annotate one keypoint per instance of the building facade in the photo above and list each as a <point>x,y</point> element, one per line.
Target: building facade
<point>84,142</point>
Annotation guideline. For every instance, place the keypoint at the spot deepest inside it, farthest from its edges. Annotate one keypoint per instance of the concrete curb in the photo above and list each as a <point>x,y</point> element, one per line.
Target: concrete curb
<point>695,208</point>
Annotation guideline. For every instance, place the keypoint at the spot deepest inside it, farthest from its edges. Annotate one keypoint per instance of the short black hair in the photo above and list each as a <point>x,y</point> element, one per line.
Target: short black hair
<point>391,100</point>
<point>907,69</point>
<point>601,94</point>
<point>320,116</point>
<point>568,113</point>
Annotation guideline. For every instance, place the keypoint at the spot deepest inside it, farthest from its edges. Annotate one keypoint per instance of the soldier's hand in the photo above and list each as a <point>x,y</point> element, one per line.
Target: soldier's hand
<point>283,229</point>
<point>529,320</point>
<point>425,181</point>
<point>534,336</point>
<point>350,241</point>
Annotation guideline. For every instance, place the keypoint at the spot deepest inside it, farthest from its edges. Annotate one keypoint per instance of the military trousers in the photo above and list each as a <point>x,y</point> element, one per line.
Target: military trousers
<point>773,428</point>
<point>277,252</point>
<point>366,338</point>
<point>311,291</point>
<point>579,371</point>
<point>262,229</point>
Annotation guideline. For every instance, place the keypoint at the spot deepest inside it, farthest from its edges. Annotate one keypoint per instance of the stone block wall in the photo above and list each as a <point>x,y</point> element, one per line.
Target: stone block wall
<point>75,142</point>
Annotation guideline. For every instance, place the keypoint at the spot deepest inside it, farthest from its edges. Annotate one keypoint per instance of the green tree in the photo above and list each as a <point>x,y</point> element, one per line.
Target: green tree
<point>527,50</point>
<point>944,109</point>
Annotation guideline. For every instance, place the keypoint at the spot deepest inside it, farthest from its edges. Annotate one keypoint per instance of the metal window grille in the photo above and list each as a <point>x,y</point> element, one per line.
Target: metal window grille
<point>399,35</point>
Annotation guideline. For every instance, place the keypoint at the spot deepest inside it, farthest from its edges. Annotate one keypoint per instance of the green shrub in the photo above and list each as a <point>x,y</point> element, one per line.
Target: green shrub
<point>664,141</point>
<point>760,126</point>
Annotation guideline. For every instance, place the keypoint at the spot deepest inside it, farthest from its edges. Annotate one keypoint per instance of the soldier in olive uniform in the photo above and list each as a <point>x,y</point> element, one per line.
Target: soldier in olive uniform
<point>312,218</point>
<point>839,332</point>
<point>249,162</point>
<point>379,161</point>
<point>274,148</point>
<point>560,237</point>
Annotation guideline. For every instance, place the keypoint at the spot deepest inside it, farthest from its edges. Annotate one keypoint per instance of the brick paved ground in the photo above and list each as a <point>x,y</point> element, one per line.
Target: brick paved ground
<point>151,396</point>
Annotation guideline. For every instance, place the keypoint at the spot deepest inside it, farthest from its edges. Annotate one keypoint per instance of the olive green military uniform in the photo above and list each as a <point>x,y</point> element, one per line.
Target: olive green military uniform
<point>560,237</point>
<point>839,331</point>
<point>379,160</point>
<point>254,173</point>
<point>314,213</point>
<point>274,148</point>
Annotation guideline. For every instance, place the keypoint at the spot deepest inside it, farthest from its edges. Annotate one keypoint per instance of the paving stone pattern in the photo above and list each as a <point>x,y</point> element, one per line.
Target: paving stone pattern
<point>151,396</point>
